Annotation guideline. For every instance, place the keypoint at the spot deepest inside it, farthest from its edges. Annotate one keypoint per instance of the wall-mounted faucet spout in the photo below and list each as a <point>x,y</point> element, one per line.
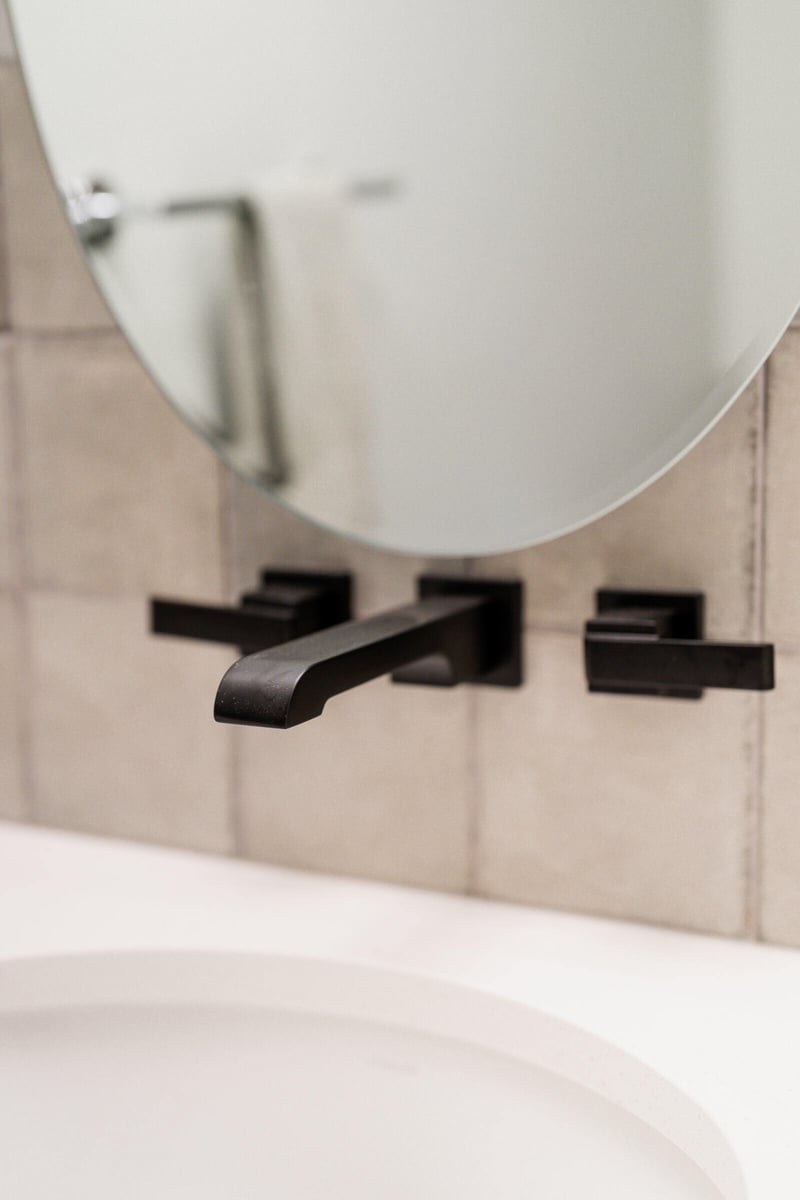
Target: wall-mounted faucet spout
<point>459,631</point>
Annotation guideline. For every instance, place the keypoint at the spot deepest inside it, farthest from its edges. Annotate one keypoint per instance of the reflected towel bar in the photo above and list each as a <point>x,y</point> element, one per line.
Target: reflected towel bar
<point>95,211</point>
<point>94,208</point>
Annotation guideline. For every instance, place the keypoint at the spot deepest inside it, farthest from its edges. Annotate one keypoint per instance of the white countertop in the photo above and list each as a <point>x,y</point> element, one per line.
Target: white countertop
<point>718,1019</point>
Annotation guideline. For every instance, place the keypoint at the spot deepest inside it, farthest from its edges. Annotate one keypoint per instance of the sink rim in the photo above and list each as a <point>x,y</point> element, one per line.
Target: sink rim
<point>394,998</point>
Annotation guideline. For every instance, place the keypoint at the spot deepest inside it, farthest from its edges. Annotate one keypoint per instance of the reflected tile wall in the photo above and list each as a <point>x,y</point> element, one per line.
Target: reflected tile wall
<point>660,811</point>
<point>6,38</point>
<point>48,286</point>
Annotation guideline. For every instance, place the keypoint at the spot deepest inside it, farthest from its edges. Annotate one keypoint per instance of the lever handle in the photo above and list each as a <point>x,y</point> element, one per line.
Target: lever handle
<point>652,644</point>
<point>288,604</point>
<point>249,629</point>
<point>616,661</point>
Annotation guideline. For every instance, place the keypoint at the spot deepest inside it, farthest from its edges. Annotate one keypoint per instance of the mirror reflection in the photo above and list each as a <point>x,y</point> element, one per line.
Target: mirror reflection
<point>450,276</point>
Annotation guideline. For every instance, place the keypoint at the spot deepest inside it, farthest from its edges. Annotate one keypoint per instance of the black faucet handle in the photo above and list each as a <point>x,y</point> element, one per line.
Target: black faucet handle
<point>287,605</point>
<point>652,644</point>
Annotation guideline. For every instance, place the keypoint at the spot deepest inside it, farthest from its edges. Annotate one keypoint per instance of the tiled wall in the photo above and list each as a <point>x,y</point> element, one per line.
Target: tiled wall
<point>679,813</point>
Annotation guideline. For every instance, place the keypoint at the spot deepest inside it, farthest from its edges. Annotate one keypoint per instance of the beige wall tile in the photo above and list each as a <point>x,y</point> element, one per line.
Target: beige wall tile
<point>780,914</point>
<point>264,533</point>
<point>378,787</point>
<point>122,733</point>
<point>694,528</point>
<point>5,282</point>
<point>625,806</point>
<point>50,284</point>
<point>782,582</point>
<point>8,568</point>
<point>119,495</point>
<point>12,801</point>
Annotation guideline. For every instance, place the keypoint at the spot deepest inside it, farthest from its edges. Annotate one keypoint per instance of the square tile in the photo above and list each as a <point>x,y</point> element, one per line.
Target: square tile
<point>265,533</point>
<point>13,804</point>
<point>624,806</point>
<point>8,547</point>
<point>378,787</point>
<point>49,282</point>
<point>119,495</point>
<point>123,738</point>
<point>693,528</point>
<point>5,282</point>
<point>780,910</point>
<point>782,582</point>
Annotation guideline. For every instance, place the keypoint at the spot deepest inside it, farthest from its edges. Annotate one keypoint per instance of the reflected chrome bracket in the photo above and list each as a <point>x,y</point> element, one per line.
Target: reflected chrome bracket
<point>651,644</point>
<point>93,210</point>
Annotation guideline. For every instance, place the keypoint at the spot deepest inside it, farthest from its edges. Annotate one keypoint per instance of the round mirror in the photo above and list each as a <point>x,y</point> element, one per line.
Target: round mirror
<point>449,276</point>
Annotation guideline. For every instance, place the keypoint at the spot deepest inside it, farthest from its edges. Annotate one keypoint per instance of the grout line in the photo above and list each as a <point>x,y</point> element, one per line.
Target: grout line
<point>554,628</point>
<point>5,256</point>
<point>88,593</point>
<point>225,529</point>
<point>755,876</point>
<point>753,871</point>
<point>20,591</point>
<point>226,544</point>
<point>759,515</point>
<point>54,333</point>
<point>473,800</point>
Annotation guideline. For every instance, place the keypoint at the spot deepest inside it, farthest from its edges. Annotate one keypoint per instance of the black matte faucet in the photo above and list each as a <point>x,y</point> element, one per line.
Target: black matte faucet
<point>646,643</point>
<point>285,605</point>
<point>458,631</point>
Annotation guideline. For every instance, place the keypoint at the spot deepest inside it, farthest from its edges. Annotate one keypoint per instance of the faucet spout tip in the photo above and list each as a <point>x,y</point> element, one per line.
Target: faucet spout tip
<point>261,689</point>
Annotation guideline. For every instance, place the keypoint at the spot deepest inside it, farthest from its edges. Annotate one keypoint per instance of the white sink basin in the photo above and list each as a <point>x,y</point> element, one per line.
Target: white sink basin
<point>176,1027</point>
<point>229,1078</point>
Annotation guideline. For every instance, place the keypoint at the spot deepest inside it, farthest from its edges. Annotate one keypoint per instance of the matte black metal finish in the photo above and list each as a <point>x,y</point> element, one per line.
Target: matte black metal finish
<point>503,629</point>
<point>288,604</point>
<point>457,632</point>
<point>651,644</point>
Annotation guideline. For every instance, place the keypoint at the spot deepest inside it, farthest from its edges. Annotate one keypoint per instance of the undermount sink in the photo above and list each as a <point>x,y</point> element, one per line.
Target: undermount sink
<point>181,1027</point>
<point>231,1077</point>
